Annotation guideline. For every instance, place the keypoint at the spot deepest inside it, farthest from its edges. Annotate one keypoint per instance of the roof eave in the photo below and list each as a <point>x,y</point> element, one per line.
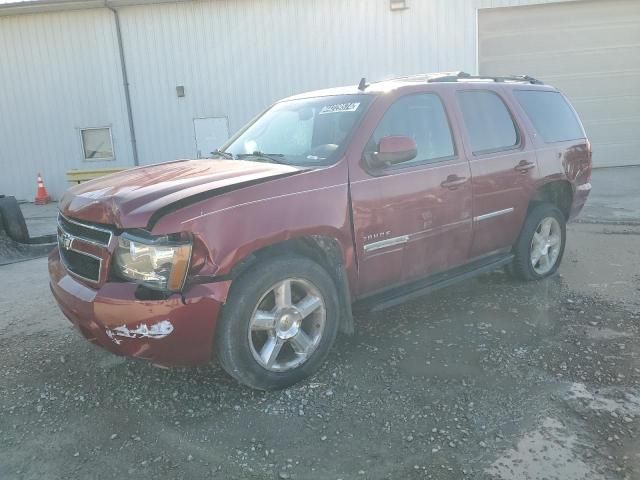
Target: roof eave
<point>43,6</point>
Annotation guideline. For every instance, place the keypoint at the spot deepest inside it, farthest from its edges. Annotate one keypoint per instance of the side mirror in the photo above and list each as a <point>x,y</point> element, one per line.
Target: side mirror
<point>392,150</point>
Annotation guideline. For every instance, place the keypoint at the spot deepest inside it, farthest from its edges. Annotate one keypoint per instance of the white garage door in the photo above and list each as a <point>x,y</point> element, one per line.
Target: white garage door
<point>588,49</point>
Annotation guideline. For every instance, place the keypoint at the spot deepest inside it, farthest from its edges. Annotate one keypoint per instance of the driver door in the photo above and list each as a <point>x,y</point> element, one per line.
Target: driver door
<point>414,218</point>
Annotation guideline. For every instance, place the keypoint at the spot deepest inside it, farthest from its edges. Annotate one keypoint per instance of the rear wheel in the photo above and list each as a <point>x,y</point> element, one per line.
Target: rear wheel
<point>278,323</point>
<point>540,246</point>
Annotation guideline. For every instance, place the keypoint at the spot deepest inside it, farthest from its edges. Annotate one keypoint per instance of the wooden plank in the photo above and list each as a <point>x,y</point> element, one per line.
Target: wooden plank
<point>78,176</point>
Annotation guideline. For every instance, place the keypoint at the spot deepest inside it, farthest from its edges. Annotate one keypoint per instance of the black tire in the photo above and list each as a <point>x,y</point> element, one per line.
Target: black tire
<point>522,267</point>
<point>13,220</point>
<point>232,339</point>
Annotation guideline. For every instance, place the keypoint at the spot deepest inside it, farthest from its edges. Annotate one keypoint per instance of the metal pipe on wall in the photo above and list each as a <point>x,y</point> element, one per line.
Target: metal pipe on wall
<point>125,82</point>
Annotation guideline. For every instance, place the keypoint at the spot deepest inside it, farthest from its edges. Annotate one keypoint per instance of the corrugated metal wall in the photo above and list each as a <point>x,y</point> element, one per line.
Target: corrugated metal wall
<point>60,71</point>
<point>235,57</point>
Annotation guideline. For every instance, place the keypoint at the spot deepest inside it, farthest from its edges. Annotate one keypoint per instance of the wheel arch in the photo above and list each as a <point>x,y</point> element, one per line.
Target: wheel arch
<point>556,192</point>
<point>325,251</point>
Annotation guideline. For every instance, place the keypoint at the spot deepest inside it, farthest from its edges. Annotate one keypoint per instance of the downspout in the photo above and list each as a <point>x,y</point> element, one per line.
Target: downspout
<point>125,83</point>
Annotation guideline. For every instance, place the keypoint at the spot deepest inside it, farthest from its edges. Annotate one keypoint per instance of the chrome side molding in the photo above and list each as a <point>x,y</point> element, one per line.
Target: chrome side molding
<point>388,242</point>
<point>497,213</point>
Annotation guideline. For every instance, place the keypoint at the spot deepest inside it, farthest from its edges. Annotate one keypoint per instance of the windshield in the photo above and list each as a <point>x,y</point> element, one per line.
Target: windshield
<point>310,131</point>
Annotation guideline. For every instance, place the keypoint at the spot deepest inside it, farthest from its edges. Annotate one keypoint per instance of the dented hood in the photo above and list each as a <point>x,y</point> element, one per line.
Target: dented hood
<point>130,198</point>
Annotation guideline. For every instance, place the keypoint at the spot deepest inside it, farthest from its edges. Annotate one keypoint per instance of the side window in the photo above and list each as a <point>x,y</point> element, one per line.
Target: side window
<point>421,117</point>
<point>488,121</point>
<point>550,114</point>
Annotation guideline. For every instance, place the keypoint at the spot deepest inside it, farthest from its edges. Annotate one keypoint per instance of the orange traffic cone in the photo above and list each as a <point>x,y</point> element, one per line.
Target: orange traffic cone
<point>42,197</point>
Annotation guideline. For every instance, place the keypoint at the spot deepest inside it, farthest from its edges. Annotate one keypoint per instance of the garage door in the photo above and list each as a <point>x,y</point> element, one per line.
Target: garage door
<point>588,49</point>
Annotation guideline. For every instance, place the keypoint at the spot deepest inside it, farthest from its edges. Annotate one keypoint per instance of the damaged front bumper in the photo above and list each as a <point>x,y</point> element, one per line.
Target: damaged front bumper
<point>178,330</point>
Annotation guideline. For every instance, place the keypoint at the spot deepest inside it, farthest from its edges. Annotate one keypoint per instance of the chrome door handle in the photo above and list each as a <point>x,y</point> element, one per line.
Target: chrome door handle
<point>524,166</point>
<point>453,181</point>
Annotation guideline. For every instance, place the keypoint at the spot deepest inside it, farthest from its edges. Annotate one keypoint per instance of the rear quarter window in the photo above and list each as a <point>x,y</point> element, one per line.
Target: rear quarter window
<point>551,115</point>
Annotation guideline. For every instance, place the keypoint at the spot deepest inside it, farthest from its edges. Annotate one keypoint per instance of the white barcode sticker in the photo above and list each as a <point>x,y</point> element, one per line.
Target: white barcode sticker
<point>340,107</point>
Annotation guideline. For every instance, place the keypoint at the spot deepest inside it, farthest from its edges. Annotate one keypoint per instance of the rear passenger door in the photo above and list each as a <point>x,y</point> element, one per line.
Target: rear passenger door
<point>503,169</point>
<point>413,218</point>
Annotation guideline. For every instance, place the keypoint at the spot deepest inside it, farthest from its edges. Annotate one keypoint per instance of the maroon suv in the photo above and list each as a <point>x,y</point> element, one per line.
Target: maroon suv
<point>371,195</point>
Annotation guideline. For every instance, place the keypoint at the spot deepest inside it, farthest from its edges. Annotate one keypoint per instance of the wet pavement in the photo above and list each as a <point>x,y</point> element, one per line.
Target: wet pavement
<point>488,379</point>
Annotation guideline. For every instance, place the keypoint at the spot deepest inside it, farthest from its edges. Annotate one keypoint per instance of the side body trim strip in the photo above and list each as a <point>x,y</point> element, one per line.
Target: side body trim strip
<point>388,242</point>
<point>497,213</point>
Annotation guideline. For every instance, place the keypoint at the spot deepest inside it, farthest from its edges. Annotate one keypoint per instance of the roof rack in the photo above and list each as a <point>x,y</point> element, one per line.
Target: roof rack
<point>466,76</point>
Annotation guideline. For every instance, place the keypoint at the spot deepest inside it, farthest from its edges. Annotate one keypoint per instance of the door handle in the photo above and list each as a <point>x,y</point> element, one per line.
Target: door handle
<point>453,181</point>
<point>524,166</point>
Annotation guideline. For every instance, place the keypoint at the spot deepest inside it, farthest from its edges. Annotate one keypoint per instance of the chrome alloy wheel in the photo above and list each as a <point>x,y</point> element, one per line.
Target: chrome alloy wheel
<point>545,245</point>
<point>287,325</point>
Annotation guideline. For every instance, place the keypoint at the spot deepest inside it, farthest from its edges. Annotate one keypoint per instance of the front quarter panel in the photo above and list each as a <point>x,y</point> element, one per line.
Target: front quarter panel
<point>232,226</point>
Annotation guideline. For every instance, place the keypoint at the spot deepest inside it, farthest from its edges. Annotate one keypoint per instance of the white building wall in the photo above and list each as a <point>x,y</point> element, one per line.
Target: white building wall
<point>235,57</point>
<point>61,71</point>
<point>58,72</point>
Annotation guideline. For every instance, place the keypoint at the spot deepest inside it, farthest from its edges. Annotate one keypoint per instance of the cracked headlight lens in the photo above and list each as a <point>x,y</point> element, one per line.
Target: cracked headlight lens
<point>156,262</point>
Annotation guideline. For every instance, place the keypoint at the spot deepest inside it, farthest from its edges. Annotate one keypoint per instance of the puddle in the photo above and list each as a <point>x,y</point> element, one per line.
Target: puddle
<point>604,333</point>
<point>544,453</point>
<point>610,400</point>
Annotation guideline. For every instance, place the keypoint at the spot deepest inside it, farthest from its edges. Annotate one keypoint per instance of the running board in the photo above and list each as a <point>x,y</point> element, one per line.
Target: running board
<point>397,295</point>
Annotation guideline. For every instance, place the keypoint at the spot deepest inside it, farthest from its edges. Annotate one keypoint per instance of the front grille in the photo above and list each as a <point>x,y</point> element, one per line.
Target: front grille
<point>81,265</point>
<point>83,248</point>
<point>89,233</point>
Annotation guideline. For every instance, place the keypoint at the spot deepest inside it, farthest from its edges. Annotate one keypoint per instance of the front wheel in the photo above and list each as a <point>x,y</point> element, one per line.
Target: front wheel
<point>278,323</point>
<point>540,246</point>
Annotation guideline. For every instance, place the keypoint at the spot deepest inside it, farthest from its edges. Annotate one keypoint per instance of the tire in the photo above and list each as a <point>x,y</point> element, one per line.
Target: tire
<point>13,220</point>
<point>240,333</point>
<point>526,250</point>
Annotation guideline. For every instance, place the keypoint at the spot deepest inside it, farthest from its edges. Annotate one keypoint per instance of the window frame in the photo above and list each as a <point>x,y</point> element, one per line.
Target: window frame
<point>84,151</point>
<point>533,125</point>
<point>410,163</point>
<point>516,125</point>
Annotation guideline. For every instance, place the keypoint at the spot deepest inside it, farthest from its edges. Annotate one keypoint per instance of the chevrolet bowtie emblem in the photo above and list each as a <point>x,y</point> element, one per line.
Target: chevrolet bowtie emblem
<point>65,241</point>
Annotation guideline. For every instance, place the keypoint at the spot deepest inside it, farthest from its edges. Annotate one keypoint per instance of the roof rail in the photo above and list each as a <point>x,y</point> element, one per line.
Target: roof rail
<point>467,76</point>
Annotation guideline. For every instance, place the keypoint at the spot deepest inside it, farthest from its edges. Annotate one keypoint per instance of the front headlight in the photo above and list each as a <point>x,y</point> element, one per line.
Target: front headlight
<point>156,262</point>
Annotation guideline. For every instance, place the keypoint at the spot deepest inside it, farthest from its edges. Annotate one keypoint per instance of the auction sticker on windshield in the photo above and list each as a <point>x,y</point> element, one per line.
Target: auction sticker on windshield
<point>340,107</point>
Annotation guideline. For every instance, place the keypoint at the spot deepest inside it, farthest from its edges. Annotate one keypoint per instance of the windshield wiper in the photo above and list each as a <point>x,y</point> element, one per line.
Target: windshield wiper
<point>222,154</point>
<point>271,157</point>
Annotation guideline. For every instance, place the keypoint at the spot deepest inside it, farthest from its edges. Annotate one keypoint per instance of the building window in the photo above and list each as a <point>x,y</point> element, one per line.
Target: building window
<point>97,143</point>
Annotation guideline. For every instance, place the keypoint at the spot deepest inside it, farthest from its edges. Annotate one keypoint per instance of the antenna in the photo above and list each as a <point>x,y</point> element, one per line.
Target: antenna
<point>363,84</point>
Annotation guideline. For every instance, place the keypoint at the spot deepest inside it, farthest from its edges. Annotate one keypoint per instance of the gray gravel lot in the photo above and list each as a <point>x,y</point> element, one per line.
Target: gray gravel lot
<point>486,379</point>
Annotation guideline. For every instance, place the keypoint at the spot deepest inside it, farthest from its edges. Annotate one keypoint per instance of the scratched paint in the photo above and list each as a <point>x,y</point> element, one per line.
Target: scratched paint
<point>157,331</point>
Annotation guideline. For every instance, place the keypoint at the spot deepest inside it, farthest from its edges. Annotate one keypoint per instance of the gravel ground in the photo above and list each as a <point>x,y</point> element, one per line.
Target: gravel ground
<point>487,379</point>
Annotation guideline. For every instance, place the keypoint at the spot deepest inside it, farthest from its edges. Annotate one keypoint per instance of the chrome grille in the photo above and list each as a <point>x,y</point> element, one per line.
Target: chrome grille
<point>83,248</point>
<point>88,233</point>
<point>81,264</point>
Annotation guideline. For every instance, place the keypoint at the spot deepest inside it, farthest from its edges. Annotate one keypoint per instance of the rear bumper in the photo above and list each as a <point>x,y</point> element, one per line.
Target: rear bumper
<point>579,199</point>
<point>167,332</point>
